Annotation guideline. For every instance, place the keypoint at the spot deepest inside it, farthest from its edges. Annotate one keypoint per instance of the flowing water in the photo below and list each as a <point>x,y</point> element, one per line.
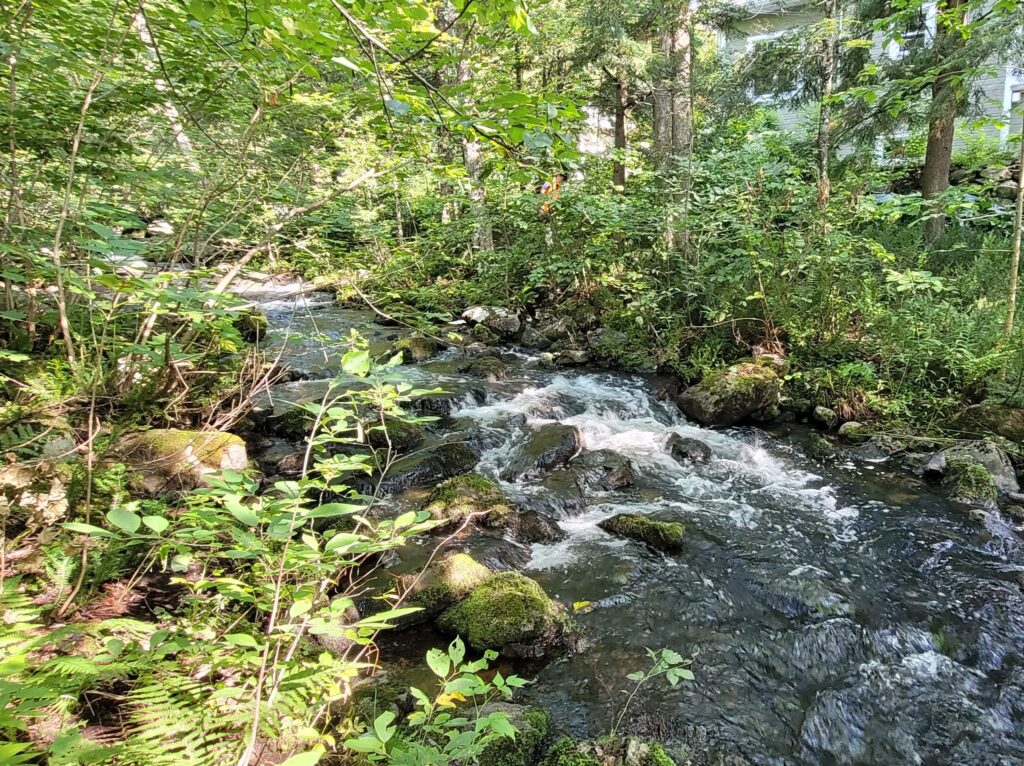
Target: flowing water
<point>838,613</point>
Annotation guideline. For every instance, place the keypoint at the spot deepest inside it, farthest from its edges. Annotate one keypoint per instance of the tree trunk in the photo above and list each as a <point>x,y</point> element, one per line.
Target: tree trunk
<point>473,159</point>
<point>825,113</point>
<point>661,102</point>
<point>947,98</point>
<point>682,107</point>
<point>621,111</point>
<point>1018,222</point>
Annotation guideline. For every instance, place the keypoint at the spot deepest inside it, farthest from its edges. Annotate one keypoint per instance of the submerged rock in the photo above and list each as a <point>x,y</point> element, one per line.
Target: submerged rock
<point>549,447</point>
<point>502,321</point>
<point>165,459</point>
<point>688,450</point>
<point>730,395</point>
<point>661,535</point>
<point>513,615</point>
<point>819,447</point>
<point>603,470</point>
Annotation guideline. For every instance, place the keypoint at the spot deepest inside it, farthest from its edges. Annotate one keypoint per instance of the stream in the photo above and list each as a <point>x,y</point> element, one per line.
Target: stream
<point>838,613</point>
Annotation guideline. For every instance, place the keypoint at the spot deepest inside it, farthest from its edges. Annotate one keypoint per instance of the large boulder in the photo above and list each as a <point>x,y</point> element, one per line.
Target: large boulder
<point>501,321</point>
<point>427,466</point>
<point>164,459</point>
<point>394,434</point>
<point>988,456</point>
<point>512,615</point>
<point>549,447</point>
<point>444,583</point>
<point>728,396</point>
<point>603,469</point>
<point>417,348</point>
<point>457,498</point>
<point>661,535</point>
<point>981,420</point>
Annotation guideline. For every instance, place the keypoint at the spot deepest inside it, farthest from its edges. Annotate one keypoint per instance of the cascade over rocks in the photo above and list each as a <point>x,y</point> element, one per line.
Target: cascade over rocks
<point>164,459</point>
<point>728,396</point>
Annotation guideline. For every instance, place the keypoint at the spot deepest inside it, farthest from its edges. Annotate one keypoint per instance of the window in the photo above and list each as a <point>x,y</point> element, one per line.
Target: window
<point>919,33</point>
<point>772,81</point>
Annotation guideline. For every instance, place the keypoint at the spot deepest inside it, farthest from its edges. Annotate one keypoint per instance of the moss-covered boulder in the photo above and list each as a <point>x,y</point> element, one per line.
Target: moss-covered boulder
<point>854,432</point>
<point>294,424</point>
<point>970,483</point>
<point>987,455</point>
<point>533,725</point>
<point>444,583</point>
<point>820,448</point>
<point>981,420</point>
<point>660,535</point>
<point>487,367</point>
<point>416,348</point>
<point>484,334</point>
<point>164,459</point>
<point>731,395</point>
<point>394,434</point>
<point>455,499</point>
<point>513,615</point>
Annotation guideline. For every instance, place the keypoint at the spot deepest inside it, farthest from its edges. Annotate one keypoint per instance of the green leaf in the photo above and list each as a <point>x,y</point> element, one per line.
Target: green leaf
<point>243,513</point>
<point>241,639</point>
<point>157,523</point>
<point>124,519</point>
<point>342,540</point>
<point>300,607</point>
<point>87,529</point>
<point>382,727</point>
<point>438,662</point>
<point>397,107</point>
<point>308,758</point>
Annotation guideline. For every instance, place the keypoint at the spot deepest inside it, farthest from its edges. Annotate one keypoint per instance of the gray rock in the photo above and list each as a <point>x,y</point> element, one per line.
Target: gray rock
<point>728,396</point>
<point>534,338</point>
<point>572,357</point>
<point>688,450</point>
<point>852,431</point>
<point>549,447</point>
<point>990,457</point>
<point>499,320</point>
<point>603,469</point>
<point>825,416</point>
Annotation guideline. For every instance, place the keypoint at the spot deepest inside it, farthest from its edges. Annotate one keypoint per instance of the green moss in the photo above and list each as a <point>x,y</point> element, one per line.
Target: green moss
<point>533,728</point>
<point>820,447</point>
<point>487,367</point>
<point>449,580</point>
<point>508,609</point>
<point>455,499</point>
<point>657,756</point>
<point>971,482</point>
<point>207,446</point>
<point>485,335</point>
<point>398,435</point>
<point>416,348</point>
<point>566,752</point>
<point>294,424</point>
<point>661,535</point>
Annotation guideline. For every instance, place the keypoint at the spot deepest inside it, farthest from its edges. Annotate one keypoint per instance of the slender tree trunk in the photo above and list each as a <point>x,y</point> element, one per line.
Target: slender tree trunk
<point>661,97</point>
<point>825,114</point>
<point>682,105</point>
<point>1018,223</point>
<point>946,102</point>
<point>446,76</point>
<point>473,159</point>
<point>621,112</point>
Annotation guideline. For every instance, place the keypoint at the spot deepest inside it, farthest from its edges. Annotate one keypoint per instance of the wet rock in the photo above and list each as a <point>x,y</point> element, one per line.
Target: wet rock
<point>499,320</point>
<point>533,725</point>
<point>441,585</point>
<point>561,495</point>
<point>546,360</point>
<point>164,459</point>
<point>854,432</point>
<point>571,357</point>
<point>689,450</point>
<point>471,494</point>
<point>820,448</point>
<point>988,456</point>
<point>534,338</point>
<point>826,417</point>
<point>445,403</point>
<point>428,466</point>
<point>487,367</point>
<point>484,334</point>
<point>526,526</point>
<point>603,470</point>
<point>417,348</point>
<point>981,420</point>
<point>512,615</point>
<point>558,329</point>
<point>395,434</point>
<point>549,447</point>
<point>970,483</point>
<point>730,395</point>
<point>661,535</point>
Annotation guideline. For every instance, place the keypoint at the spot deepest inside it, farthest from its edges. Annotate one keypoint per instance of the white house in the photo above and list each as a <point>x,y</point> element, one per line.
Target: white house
<point>765,20</point>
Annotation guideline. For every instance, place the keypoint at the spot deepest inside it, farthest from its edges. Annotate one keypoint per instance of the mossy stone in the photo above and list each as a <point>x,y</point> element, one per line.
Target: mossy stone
<point>728,396</point>
<point>395,434</point>
<point>444,583</point>
<point>566,752</point>
<point>294,424</point>
<point>656,756</point>
<point>455,499</point>
<point>511,614</point>
<point>819,447</point>
<point>417,348</point>
<point>660,535</point>
<point>169,458</point>
<point>533,725</point>
<point>483,334</point>
<point>971,482</point>
<point>487,367</point>
<point>251,325</point>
